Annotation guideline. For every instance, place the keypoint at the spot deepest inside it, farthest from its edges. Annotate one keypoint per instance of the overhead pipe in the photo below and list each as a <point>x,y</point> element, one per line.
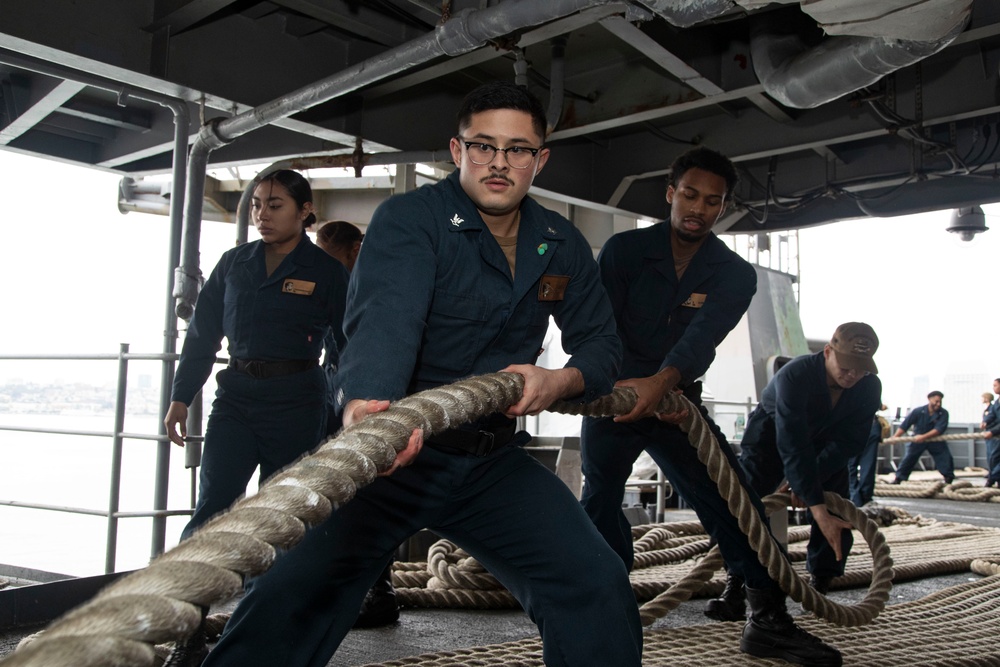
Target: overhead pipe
<point>804,77</point>
<point>686,13</point>
<point>326,162</point>
<point>520,68</point>
<point>466,31</point>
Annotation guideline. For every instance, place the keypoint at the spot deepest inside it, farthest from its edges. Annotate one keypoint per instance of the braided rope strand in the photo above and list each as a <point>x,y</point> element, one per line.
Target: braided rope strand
<point>161,602</point>
<point>119,625</point>
<point>769,552</point>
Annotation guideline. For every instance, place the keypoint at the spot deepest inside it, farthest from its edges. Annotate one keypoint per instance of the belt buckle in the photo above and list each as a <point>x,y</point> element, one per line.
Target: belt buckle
<point>485,446</point>
<point>253,368</point>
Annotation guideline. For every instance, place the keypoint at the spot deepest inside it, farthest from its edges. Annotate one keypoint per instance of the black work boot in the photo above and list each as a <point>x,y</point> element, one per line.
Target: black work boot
<point>379,607</point>
<point>771,633</point>
<point>820,583</point>
<point>732,604</point>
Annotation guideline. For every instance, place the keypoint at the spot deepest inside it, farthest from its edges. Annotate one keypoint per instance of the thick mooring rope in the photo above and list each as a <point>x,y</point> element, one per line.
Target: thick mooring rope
<point>946,437</point>
<point>666,553</point>
<point>962,616</point>
<point>700,436</point>
<point>958,490</point>
<point>119,627</point>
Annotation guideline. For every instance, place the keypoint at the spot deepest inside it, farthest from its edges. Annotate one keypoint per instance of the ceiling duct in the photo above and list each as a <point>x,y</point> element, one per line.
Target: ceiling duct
<point>686,13</point>
<point>802,76</point>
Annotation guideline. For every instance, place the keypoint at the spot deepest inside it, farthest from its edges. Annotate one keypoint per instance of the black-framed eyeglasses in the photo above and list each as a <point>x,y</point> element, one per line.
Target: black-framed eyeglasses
<point>518,157</point>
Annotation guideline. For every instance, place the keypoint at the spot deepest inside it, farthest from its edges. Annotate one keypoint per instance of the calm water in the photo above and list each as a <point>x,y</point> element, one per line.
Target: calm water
<point>75,471</point>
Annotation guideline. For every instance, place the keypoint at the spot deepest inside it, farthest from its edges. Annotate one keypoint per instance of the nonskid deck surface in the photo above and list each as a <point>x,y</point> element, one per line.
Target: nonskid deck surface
<point>423,631</point>
<point>965,613</point>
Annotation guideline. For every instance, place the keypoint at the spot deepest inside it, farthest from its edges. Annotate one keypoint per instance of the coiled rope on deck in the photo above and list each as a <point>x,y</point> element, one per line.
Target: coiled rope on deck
<point>945,437</point>
<point>119,627</point>
<point>958,490</point>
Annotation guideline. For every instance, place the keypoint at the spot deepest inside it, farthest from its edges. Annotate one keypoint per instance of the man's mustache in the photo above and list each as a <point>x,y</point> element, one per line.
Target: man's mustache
<point>496,177</point>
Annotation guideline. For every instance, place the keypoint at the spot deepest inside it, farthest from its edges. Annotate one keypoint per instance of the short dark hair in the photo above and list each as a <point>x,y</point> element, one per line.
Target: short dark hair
<point>502,95</point>
<point>298,187</point>
<point>709,160</point>
<point>339,234</point>
<point>935,393</point>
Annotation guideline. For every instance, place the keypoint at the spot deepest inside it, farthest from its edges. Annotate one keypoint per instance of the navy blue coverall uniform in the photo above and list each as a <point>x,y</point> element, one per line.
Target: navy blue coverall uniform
<point>432,301</point>
<point>922,422</point>
<point>795,433</point>
<point>331,359</point>
<point>266,413</point>
<point>991,423</point>
<point>861,469</point>
<point>665,322</point>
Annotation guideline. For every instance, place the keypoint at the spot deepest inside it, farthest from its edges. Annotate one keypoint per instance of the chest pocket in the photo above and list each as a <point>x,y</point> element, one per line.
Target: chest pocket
<point>683,315</point>
<point>304,304</point>
<point>457,321</point>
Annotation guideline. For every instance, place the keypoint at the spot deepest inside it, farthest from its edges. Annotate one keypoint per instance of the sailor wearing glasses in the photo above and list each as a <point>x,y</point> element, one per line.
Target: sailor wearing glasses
<point>460,278</point>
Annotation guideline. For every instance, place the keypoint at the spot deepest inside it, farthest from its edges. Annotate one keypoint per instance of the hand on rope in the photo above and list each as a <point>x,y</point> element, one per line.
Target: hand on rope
<point>830,525</point>
<point>650,392</point>
<point>542,387</point>
<point>358,409</point>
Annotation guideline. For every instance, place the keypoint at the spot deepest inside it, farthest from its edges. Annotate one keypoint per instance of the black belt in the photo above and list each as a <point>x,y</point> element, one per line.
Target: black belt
<point>269,369</point>
<point>473,443</point>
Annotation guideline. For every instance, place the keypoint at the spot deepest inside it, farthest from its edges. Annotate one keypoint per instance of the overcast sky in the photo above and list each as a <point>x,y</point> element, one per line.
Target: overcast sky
<point>931,299</point>
<point>82,277</point>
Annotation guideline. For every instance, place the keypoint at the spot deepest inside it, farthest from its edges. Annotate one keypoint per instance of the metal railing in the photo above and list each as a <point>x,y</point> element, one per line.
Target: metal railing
<point>118,436</point>
<point>745,406</point>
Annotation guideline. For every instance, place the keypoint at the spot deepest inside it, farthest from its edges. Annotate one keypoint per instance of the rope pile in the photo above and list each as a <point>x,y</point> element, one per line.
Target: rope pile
<point>958,490</point>
<point>740,506</point>
<point>672,556</point>
<point>946,437</point>
<point>163,602</point>
<point>904,635</point>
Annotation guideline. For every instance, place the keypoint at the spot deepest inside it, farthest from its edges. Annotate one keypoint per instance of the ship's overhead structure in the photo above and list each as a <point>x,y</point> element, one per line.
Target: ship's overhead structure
<point>833,109</point>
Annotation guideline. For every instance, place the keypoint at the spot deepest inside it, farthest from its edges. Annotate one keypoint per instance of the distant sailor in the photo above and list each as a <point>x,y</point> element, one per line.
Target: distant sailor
<point>928,421</point>
<point>991,425</point>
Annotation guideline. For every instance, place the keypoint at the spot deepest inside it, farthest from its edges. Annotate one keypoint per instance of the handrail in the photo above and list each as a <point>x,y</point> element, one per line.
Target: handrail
<point>118,435</point>
<point>84,510</point>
